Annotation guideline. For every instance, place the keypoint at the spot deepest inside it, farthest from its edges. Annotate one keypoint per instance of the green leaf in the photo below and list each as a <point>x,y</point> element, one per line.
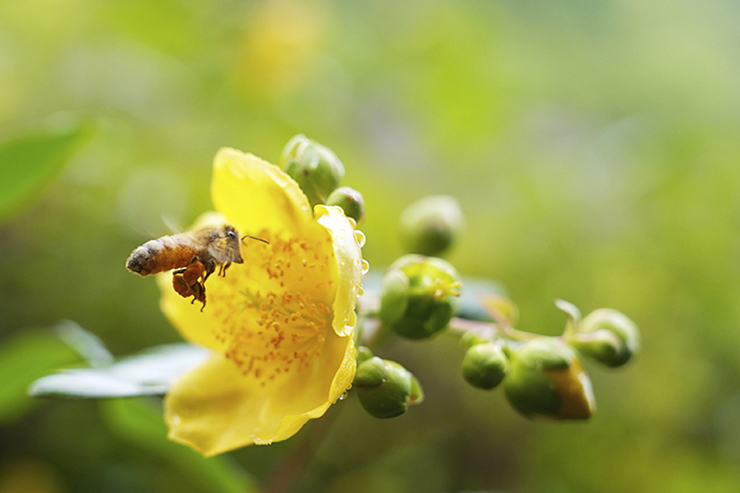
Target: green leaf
<point>140,422</point>
<point>31,161</point>
<point>24,358</point>
<point>473,288</point>
<point>87,344</point>
<point>150,372</point>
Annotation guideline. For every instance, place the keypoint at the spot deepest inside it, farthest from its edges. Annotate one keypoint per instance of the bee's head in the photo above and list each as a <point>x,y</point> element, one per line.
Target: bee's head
<point>232,243</point>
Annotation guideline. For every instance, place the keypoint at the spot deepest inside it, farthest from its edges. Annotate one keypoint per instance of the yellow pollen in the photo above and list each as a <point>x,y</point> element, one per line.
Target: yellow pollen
<point>284,291</point>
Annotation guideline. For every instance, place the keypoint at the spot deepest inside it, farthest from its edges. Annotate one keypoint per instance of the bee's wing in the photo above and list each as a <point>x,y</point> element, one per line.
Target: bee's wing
<point>172,224</point>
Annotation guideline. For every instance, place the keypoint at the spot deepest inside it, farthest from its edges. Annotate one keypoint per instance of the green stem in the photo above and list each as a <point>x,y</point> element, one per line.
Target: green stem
<point>489,330</point>
<point>285,473</point>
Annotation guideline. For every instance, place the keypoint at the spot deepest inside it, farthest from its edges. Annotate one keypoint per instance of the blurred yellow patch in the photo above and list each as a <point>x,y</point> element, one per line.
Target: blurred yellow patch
<point>282,41</point>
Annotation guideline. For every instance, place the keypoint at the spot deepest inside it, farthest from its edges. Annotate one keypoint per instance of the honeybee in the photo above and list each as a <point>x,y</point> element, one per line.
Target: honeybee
<point>192,257</point>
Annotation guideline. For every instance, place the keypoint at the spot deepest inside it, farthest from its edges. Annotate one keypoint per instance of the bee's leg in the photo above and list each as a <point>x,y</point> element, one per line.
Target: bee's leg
<point>193,272</point>
<point>181,285</point>
<point>191,268</point>
<point>199,294</point>
<point>222,270</point>
<point>210,268</point>
<point>185,281</point>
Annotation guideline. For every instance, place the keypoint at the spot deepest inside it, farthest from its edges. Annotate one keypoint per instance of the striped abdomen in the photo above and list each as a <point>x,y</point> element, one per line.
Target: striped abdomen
<point>162,254</point>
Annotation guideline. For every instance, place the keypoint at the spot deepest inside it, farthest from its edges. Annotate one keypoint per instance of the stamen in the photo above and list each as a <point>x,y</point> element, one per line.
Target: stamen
<point>283,304</point>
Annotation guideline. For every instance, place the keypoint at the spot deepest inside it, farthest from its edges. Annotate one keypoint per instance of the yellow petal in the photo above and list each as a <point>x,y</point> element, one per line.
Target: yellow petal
<point>257,195</point>
<point>349,266</point>
<point>215,408</point>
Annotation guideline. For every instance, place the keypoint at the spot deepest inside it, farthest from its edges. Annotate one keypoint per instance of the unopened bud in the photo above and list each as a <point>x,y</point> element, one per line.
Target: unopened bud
<point>471,338</point>
<point>430,225</point>
<point>316,169</point>
<point>607,336</point>
<point>485,365</point>
<point>546,380</point>
<point>419,296</point>
<point>363,354</point>
<point>351,202</point>
<point>385,388</point>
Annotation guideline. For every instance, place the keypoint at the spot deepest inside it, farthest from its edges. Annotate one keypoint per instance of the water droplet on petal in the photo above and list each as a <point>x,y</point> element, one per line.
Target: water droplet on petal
<point>360,238</point>
<point>365,266</point>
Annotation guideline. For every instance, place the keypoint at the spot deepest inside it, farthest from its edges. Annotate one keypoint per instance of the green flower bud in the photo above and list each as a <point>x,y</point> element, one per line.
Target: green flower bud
<point>485,365</point>
<point>546,380</point>
<point>351,202</point>
<point>471,338</point>
<point>430,225</point>
<point>607,336</point>
<point>419,296</point>
<point>385,388</point>
<point>416,396</point>
<point>363,354</point>
<point>316,169</point>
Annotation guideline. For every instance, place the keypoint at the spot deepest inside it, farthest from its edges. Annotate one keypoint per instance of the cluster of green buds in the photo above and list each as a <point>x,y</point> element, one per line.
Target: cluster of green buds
<point>543,377</point>
<point>319,172</point>
<point>419,296</point>
<point>418,299</point>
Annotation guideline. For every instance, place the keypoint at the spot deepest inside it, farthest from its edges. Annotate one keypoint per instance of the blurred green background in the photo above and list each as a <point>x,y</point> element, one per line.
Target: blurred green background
<point>594,147</point>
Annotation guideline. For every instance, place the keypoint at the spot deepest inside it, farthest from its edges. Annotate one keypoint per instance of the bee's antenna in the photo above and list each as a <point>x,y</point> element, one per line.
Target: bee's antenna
<point>255,238</point>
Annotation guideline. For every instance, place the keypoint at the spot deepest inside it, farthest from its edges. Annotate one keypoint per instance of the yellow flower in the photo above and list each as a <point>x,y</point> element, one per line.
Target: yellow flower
<point>281,325</point>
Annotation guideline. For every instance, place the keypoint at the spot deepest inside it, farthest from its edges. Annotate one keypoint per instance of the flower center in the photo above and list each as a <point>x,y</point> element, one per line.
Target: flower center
<point>276,307</point>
